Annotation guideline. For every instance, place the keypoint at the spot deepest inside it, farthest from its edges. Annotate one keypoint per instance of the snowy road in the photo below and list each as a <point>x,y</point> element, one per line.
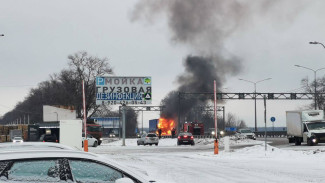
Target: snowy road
<point>195,164</point>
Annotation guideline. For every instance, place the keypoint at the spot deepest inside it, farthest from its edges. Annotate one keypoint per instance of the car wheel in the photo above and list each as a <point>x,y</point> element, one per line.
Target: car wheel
<point>138,143</point>
<point>99,143</point>
<point>192,144</point>
<point>156,144</point>
<point>297,142</point>
<point>178,143</point>
<point>150,144</point>
<point>95,144</point>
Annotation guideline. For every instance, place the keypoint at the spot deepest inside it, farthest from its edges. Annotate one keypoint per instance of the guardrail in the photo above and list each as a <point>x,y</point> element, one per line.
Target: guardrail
<point>280,134</point>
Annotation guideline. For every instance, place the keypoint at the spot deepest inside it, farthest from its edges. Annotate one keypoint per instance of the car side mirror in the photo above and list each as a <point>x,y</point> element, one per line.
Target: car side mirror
<point>124,180</point>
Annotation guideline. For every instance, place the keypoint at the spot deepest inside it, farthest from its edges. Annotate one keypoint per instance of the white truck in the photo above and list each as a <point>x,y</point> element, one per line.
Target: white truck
<point>306,126</point>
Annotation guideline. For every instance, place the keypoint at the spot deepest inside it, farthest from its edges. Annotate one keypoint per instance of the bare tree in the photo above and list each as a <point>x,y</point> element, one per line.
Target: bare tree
<point>64,88</point>
<point>87,68</point>
<point>233,121</point>
<point>309,87</point>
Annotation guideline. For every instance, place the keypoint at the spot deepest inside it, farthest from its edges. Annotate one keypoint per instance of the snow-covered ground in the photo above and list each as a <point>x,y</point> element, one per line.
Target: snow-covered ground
<point>195,164</point>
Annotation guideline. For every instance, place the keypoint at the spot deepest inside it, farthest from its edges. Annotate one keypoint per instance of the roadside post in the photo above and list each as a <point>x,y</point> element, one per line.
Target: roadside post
<point>265,121</point>
<point>85,116</point>
<point>216,143</point>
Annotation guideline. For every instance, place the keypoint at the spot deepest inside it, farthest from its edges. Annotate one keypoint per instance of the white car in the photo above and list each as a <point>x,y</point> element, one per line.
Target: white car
<point>245,134</point>
<point>8,147</point>
<point>17,139</point>
<point>148,139</point>
<point>63,166</point>
<point>92,141</point>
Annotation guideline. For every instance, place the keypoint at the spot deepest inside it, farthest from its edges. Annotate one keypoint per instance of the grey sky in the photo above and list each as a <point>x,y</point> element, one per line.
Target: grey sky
<point>39,35</point>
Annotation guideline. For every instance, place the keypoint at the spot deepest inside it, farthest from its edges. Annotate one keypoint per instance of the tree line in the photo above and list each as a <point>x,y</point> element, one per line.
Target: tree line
<point>65,89</point>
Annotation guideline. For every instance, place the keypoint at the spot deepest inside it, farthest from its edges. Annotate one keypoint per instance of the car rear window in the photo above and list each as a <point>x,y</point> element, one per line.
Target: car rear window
<point>151,135</point>
<point>182,134</point>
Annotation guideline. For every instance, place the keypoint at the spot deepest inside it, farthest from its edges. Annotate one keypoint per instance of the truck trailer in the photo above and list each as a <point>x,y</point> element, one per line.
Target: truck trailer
<point>306,126</point>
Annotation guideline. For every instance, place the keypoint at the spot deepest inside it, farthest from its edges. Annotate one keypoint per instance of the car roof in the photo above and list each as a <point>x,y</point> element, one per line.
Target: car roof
<point>9,147</point>
<point>50,153</point>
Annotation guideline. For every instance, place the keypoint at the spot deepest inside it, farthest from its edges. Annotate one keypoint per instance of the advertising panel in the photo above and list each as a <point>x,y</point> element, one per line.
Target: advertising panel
<point>123,90</point>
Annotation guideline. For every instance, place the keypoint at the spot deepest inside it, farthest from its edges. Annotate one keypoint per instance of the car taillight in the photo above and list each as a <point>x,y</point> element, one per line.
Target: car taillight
<point>56,140</point>
<point>43,140</point>
<point>179,137</point>
<point>192,137</point>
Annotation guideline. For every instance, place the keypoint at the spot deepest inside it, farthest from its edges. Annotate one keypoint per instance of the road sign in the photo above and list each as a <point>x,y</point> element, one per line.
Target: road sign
<point>123,90</point>
<point>272,119</point>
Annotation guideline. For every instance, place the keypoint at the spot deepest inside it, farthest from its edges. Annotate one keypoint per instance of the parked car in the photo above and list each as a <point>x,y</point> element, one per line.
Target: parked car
<point>17,139</point>
<point>148,139</point>
<point>49,138</point>
<point>245,134</point>
<point>185,138</point>
<point>63,166</point>
<point>92,141</point>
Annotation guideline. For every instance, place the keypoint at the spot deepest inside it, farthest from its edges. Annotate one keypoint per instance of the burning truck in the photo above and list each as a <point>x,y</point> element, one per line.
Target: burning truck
<point>165,125</point>
<point>168,125</point>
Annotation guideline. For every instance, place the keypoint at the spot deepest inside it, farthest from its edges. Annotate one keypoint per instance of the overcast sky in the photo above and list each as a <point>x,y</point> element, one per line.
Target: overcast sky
<point>39,35</point>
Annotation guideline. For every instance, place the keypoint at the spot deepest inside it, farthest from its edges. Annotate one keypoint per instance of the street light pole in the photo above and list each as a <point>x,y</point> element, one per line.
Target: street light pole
<point>255,96</point>
<point>315,79</point>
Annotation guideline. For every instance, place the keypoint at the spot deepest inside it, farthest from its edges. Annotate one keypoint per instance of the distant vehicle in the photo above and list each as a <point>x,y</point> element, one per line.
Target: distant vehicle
<point>17,139</point>
<point>92,141</point>
<point>306,126</point>
<point>63,166</point>
<point>95,130</point>
<point>49,138</point>
<point>194,128</point>
<point>148,139</point>
<point>185,138</point>
<point>111,135</point>
<point>245,134</point>
<point>15,133</point>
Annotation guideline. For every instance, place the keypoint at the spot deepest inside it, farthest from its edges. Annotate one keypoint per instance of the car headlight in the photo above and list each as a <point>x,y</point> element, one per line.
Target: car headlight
<point>222,132</point>
<point>213,133</point>
<point>100,138</point>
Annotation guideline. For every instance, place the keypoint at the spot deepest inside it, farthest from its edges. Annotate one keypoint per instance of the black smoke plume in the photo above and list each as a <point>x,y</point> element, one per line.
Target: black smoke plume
<point>203,26</point>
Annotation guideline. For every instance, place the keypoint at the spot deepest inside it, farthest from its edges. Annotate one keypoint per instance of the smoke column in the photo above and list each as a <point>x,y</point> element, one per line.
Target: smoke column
<point>203,26</point>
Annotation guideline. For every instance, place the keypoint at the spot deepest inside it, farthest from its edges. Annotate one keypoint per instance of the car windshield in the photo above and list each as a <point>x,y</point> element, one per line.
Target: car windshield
<point>245,131</point>
<point>94,128</point>
<point>316,126</point>
<point>151,135</point>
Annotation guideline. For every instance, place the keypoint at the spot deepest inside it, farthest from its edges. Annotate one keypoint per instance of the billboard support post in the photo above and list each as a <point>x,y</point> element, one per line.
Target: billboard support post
<point>123,125</point>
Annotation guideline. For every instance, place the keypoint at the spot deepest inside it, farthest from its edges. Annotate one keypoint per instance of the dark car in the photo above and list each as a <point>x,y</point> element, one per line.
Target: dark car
<point>185,138</point>
<point>49,138</point>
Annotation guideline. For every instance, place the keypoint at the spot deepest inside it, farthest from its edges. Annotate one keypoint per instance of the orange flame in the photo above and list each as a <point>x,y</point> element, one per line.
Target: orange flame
<point>166,126</point>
